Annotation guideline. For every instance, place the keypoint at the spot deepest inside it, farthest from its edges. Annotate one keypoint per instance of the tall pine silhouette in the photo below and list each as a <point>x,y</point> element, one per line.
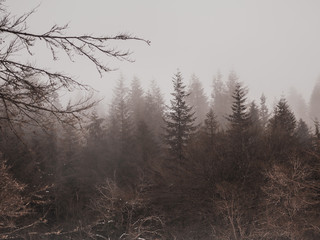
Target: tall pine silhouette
<point>179,120</point>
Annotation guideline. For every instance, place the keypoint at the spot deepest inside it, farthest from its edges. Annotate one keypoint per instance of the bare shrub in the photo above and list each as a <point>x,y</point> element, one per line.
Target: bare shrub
<point>125,214</point>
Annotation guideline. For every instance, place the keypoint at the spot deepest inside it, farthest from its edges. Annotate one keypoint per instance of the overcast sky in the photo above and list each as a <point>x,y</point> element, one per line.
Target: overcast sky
<point>272,44</point>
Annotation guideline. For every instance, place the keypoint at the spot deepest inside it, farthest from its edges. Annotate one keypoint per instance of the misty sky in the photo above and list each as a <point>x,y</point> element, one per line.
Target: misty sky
<point>272,44</point>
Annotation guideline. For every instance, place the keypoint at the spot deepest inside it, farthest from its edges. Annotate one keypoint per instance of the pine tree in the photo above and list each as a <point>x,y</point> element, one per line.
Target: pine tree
<point>154,110</point>
<point>95,129</point>
<point>220,97</point>
<point>263,112</point>
<point>179,120</point>
<point>238,135</point>
<point>231,84</point>
<point>316,126</point>
<point>96,148</point>
<point>67,179</point>
<point>120,135</point>
<point>136,101</point>
<point>255,133</point>
<point>281,129</point>
<point>303,134</point>
<point>316,136</point>
<point>297,104</point>
<point>146,146</point>
<point>239,118</point>
<point>314,110</point>
<point>283,119</point>
<point>120,120</point>
<point>254,117</point>
<point>197,99</point>
<point>210,125</point>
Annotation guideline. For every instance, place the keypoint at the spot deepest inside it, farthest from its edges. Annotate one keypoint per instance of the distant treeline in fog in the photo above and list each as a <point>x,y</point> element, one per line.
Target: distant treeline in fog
<point>218,167</point>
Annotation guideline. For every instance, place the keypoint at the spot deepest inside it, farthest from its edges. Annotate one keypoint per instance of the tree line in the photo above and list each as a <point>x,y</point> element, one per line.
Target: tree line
<point>223,168</point>
<point>193,169</point>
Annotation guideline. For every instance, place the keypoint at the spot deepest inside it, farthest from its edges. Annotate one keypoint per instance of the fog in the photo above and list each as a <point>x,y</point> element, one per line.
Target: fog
<point>272,45</point>
<point>208,130</point>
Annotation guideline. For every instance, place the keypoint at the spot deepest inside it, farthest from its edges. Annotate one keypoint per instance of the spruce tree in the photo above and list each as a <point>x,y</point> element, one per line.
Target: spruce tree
<point>239,122</point>
<point>210,125</point>
<point>136,101</point>
<point>179,120</point>
<point>316,126</point>
<point>303,134</point>
<point>154,110</point>
<point>314,110</point>
<point>297,104</point>
<point>283,120</point>
<point>282,126</point>
<point>254,118</point>
<point>220,97</point>
<point>198,100</point>
<point>120,120</point>
<point>239,118</point>
<point>263,112</point>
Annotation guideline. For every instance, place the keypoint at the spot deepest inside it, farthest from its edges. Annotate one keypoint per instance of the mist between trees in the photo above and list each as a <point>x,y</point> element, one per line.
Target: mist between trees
<point>198,168</point>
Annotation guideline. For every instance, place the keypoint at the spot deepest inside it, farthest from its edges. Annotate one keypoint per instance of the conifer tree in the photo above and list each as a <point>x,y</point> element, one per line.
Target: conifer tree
<point>231,84</point>
<point>239,118</point>
<point>239,122</point>
<point>254,119</point>
<point>136,101</point>
<point>120,119</point>
<point>314,110</point>
<point>263,112</point>
<point>121,135</point>
<point>303,134</point>
<point>197,99</point>
<point>283,120</point>
<point>316,126</point>
<point>210,125</point>
<point>95,129</point>
<point>297,104</point>
<point>154,110</point>
<point>316,136</point>
<point>220,97</point>
<point>179,120</point>
<point>282,131</point>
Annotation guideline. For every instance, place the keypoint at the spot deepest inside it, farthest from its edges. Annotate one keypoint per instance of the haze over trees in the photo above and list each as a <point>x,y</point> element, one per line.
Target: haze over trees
<point>225,167</point>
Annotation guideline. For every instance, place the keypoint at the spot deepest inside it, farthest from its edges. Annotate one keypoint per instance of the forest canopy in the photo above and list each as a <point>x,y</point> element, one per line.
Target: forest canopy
<point>219,167</point>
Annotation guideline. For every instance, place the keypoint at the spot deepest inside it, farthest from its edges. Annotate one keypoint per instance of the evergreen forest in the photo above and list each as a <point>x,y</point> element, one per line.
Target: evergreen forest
<point>197,168</point>
<point>218,167</point>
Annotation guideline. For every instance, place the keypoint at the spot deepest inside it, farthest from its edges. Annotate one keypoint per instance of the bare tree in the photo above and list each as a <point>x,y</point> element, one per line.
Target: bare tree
<point>292,195</point>
<point>125,213</point>
<point>28,92</point>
